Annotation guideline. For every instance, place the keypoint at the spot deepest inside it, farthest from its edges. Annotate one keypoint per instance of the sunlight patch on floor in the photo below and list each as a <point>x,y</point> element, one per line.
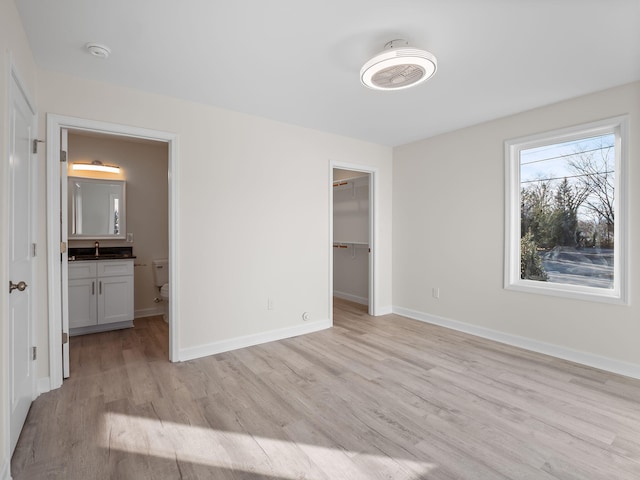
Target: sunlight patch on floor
<point>283,459</point>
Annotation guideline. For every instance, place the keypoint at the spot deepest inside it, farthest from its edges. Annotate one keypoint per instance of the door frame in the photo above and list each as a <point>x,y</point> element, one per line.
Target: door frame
<point>55,123</point>
<point>373,235</point>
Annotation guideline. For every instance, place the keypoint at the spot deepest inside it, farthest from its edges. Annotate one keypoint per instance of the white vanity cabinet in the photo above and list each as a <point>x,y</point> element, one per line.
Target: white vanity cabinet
<point>100,295</point>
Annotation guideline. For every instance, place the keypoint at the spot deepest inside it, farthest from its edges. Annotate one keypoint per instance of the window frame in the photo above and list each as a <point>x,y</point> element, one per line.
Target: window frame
<point>512,148</point>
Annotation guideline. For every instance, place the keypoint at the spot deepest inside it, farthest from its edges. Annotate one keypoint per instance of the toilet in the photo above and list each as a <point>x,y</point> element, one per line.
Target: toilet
<point>161,281</point>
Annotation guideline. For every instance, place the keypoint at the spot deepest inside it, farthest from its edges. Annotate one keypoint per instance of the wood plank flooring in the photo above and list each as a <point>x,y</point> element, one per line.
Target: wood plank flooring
<point>372,398</point>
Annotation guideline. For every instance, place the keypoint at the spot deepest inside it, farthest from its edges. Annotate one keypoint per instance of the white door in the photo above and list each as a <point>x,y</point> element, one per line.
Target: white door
<point>22,127</point>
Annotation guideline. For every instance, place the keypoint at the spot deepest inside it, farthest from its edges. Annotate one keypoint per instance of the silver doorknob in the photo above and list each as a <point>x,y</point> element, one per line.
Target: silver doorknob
<point>20,286</point>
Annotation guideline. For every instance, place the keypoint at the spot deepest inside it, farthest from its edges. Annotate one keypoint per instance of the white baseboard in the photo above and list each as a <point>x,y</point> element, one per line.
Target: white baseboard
<point>43,385</point>
<point>148,312</point>
<point>351,298</point>
<point>5,473</point>
<point>597,361</point>
<point>100,327</point>
<point>250,340</point>
<point>384,311</point>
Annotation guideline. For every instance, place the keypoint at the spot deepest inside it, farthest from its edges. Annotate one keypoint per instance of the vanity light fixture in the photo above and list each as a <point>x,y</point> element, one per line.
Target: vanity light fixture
<point>398,66</point>
<point>95,166</point>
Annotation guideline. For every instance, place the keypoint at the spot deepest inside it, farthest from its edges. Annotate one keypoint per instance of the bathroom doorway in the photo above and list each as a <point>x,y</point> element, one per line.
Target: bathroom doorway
<point>120,214</point>
<point>87,131</point>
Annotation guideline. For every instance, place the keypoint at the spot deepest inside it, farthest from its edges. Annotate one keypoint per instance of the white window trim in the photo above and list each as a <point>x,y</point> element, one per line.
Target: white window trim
<point>512,280</point>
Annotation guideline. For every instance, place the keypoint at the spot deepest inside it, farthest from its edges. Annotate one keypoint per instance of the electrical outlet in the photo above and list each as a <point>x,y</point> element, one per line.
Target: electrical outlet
<point>271,304</point>
<point>129,237</point>
<point>435,291</point>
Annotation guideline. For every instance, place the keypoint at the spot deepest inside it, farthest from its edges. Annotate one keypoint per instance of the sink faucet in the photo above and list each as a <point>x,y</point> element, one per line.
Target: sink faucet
<point>97,249</point>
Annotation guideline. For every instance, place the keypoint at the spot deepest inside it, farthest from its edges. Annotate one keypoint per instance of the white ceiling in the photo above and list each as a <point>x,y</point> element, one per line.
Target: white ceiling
<point>298,61</point>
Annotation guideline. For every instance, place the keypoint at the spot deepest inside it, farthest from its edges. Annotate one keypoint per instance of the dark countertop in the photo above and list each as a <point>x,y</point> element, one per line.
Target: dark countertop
<point>104,253</point>
<point>84,258</point>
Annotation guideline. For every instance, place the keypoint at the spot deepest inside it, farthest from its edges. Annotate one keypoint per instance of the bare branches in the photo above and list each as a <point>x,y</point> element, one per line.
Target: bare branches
<point>579,209</point>
<point>596,176</point>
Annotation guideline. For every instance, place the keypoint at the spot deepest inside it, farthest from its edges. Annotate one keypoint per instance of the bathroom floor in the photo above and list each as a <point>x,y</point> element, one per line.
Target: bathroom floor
<point>148,341</point>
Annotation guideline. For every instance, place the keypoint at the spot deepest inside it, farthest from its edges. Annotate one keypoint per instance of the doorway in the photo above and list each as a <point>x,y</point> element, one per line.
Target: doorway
<point>124,210</point>
<point>58,255</point>
<point>352,234</point>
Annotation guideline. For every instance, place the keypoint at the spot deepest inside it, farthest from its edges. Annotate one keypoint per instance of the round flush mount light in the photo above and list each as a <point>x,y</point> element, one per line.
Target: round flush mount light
<point>97,50</point>
<point>398,66</point>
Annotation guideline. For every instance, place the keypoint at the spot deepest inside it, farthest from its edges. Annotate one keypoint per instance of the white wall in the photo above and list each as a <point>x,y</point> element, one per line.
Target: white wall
<point>448,216</point>
<point>14,47</point>
<point>253,207</point>
<point>144,167</point>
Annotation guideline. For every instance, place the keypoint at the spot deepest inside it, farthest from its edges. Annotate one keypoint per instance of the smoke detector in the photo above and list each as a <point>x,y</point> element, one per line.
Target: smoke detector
<point>97,50</point>
<point>398,66</point>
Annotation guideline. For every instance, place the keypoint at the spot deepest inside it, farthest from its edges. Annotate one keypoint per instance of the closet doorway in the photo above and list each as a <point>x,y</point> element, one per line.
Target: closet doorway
<point>352,236</point>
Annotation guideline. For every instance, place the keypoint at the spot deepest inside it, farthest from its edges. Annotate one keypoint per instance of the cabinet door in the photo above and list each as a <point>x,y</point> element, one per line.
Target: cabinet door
<point>82,303</point>
<point>115,299</point>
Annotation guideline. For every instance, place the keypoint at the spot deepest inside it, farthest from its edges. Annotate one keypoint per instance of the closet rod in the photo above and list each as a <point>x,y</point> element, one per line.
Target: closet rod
<point>345,181</point>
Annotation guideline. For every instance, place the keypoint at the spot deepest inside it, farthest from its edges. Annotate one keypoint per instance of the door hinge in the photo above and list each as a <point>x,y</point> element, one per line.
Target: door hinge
<point>63,247</point>
<point>34,249</point>
<point>63,156</point>
<point>65,338</point>
<point>34,353</point>
<point>35,145</point>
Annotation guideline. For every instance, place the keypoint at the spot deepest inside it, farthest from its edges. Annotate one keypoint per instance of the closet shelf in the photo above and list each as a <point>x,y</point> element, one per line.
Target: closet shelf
<point>352,244</point>
<point>358,180</point>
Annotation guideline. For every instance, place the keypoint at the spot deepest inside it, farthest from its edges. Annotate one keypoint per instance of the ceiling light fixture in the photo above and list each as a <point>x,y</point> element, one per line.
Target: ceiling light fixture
<point>97,50</point>
<point>398,66</point>
<point>95,166</point>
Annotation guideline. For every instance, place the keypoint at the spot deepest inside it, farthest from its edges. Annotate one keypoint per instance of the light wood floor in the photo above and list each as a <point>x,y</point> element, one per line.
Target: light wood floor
<point>372,398</point>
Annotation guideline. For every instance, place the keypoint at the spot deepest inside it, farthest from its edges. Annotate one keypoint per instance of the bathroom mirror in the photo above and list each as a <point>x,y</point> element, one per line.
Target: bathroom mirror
<point>96,208</point>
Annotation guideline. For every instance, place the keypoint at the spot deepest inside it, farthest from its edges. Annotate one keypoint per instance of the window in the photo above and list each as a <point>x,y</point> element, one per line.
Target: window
<point>565,212</point>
